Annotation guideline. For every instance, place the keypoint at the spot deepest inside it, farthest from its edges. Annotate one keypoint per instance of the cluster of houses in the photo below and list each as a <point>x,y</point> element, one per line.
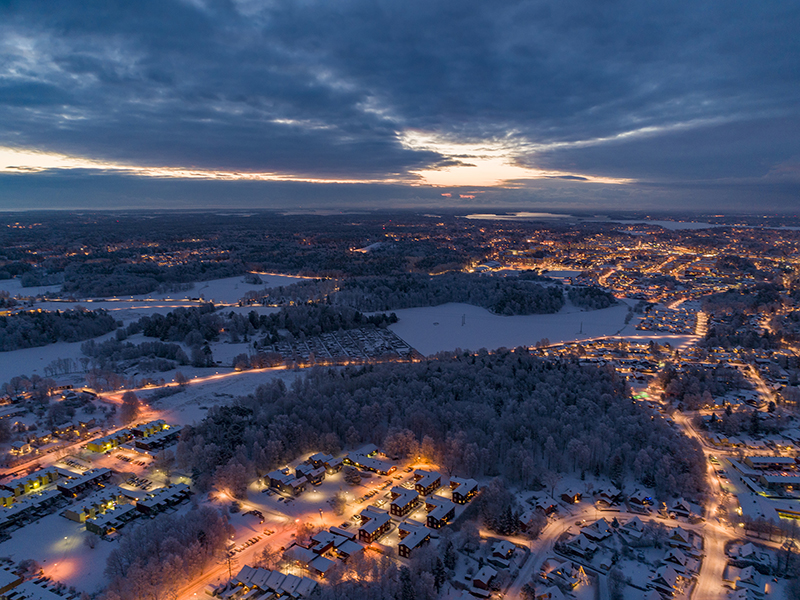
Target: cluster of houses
<point>146,437</point>
<point>257,583</point>
<point>311,471</point>
<point>104,511</point>
<point>35,495</point>
<point>33,439</point>
<point>681,320</point>
<point>365,458</point>
<point>594,547</point>
<point>112,509</point>
<point>742,573</point>
<point>352,345</point>
<point>375,522</point>
<point>501,555</point>
<point>324,549</point>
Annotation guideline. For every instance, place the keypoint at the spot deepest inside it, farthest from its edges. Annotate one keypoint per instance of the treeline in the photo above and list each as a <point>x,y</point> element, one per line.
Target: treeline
<point>193,325</point>
<point>315,319</point>
<point>156,558</point>
<point>696,386</point>
<point>112,354</point>
<point>196,325</point>
<point>505,414</point>
<point>764,297</point>
<point>591,297</point>
<point>735,331</point>
<point>102,279</point>
<point>501,295</point>
<point>34,328</point>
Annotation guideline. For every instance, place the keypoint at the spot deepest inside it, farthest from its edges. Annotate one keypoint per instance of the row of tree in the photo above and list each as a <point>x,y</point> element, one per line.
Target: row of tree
<point>38,328</point>
<point>591,297</point>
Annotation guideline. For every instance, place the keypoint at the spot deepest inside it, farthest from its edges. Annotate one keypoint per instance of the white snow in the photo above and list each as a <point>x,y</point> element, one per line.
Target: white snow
<point>58,545</point>
<point>439,328</point>
<point>14,288</point>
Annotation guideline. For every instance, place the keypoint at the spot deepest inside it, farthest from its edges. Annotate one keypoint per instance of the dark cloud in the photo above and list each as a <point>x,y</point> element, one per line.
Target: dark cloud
<point>322,89</point>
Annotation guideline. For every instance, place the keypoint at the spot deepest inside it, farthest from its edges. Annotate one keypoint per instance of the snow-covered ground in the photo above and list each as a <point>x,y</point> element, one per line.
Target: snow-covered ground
<point>58,544</point>
<point>227,290</point>
<point>14,288</point>
<point>439,328</point>
<point>190,406</point>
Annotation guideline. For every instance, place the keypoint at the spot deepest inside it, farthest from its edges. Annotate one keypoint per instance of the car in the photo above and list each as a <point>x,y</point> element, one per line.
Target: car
<point>580,522</point>
<point>345,525</point>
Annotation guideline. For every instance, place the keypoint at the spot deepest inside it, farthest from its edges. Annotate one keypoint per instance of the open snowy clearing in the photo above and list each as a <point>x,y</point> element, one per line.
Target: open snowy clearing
<point>225,291</point>
<point>439,328</point>
<point>14,288</point>
<point>58,544</point>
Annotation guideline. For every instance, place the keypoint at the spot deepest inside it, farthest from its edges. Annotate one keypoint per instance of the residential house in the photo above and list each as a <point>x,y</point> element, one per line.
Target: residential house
<point>550,593</point>
<point>571,496</point>
<point>411,537</point>
<point>109,442</point>
<point>598,531</point>
<point>314,476</point>
<point>374,523</point>
<point>633,529</point>
<point>286,483</point>
<point>440,511</point>
<point>427,482</point>
<point>665,580</point>
<point>163,498</point>
<point>483,578</point>
<point>582,546</point>
<point>31,483</point>
<point>463,490</point>
<point>93,477</point>
<point>403,501</point>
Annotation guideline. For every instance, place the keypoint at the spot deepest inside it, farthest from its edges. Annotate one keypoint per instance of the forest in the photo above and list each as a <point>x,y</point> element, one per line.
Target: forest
<point>157,558</point>
<point>38,328</point>
<point>113,354</point>
<point>591,297</point>
<point>502,295</point>
<point>503,414</point>
<point>696,386</point>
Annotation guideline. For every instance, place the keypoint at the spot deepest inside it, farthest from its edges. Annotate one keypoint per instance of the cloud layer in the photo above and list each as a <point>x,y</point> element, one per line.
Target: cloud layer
<point>648,99</point>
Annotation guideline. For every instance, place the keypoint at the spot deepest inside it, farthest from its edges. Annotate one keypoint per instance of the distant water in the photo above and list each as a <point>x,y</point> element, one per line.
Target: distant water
<point>674,225</point>
<point>518,216</point>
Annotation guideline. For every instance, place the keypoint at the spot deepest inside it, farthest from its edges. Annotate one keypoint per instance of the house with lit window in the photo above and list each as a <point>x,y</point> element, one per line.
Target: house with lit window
<point>92,478</point>
<point>412,536</point>
<point>31,483</point>
<point>364,458</point>
<point>283,481</point>
<point>463,490</point>
<point>314,476</point>
<point>427,482</point>
<point>403,501</point>
<point>440,511</point>
<point>110,442</point>
<point>374,523</point>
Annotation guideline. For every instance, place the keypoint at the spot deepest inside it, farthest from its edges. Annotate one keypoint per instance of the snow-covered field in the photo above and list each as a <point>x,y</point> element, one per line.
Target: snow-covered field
<point>439,328</point>
<point>226,291</point>
<point>58,545</point>
<point>14,288</point>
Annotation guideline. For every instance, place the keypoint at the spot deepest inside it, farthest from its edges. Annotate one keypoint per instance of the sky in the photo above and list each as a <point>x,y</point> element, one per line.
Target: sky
<point>568,104</point>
